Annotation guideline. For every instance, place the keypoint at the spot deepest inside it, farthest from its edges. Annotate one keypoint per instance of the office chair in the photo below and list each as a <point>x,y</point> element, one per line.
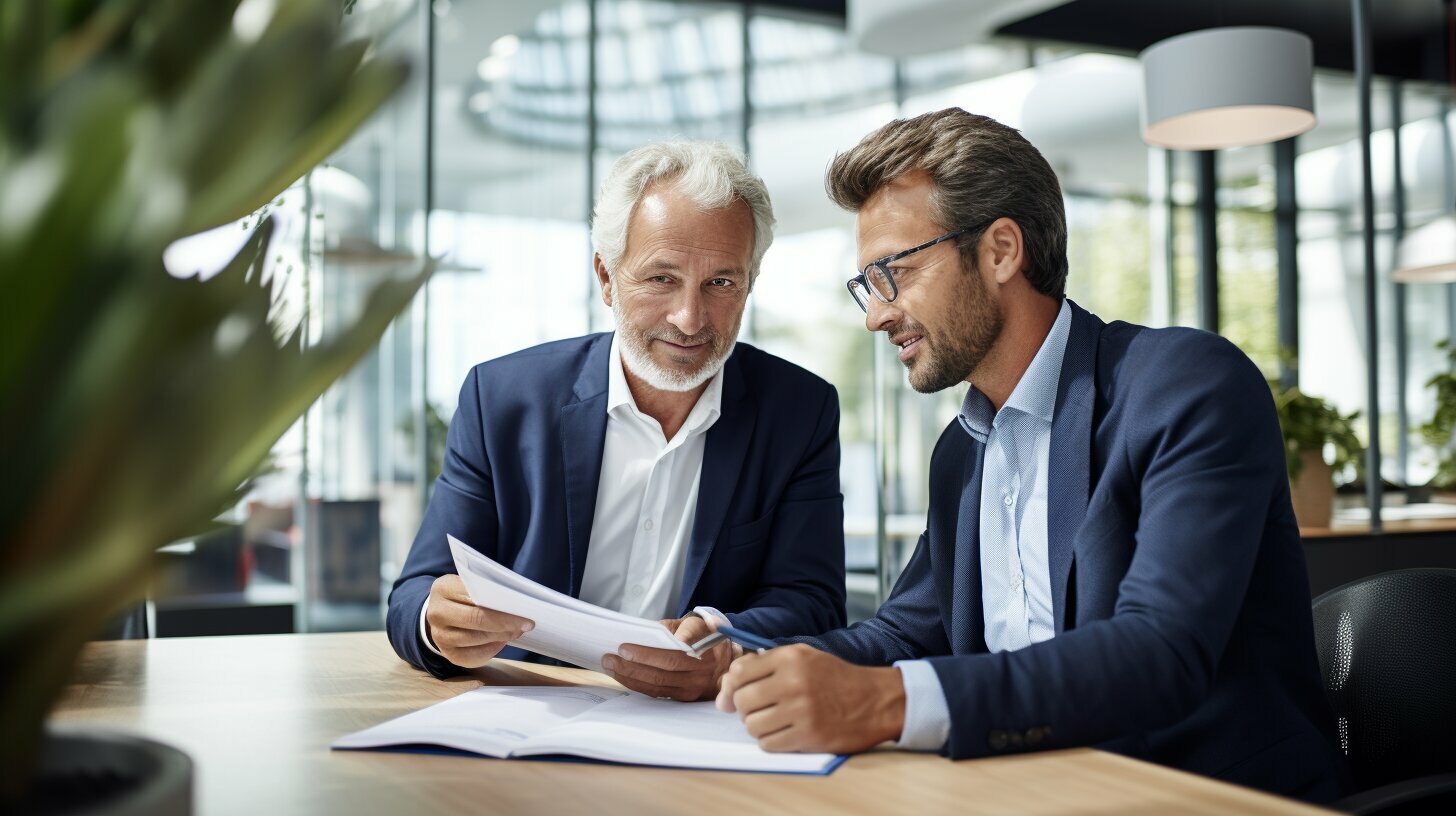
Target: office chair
<point>1387,650</point>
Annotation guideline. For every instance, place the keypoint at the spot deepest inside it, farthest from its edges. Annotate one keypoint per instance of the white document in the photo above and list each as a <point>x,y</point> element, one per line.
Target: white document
<point>566,628</point>
<point>596,723</point>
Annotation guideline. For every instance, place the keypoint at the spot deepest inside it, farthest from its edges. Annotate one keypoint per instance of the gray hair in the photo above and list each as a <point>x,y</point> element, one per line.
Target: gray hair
<point>712,174</point>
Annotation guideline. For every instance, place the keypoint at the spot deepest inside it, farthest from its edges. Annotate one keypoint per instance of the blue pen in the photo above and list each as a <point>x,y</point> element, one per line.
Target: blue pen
<point>747,640</point>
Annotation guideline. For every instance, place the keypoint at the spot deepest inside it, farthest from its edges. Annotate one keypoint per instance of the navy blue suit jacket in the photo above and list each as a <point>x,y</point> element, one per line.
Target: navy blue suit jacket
<point>1181,601</point>
<point>522,463</point>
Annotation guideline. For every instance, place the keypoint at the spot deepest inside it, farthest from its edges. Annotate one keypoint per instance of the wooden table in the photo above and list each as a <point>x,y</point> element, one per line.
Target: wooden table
<point>1388,526</point>
<point>257,714</point>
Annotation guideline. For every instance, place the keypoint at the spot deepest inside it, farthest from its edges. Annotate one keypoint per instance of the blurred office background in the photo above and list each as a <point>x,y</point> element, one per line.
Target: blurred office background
<point>491,158</point>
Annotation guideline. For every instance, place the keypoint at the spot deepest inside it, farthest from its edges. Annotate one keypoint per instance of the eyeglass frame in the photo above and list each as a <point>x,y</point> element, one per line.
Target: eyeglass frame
<point>883,265</point>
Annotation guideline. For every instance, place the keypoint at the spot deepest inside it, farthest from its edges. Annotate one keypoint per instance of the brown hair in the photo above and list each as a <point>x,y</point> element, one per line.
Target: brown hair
<point>982,170</point>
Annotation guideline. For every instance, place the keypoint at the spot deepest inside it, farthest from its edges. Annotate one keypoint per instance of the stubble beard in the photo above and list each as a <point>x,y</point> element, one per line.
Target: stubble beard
<point>975,324</point>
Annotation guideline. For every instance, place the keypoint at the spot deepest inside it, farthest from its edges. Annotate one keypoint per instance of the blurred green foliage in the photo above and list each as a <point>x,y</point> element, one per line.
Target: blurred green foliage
<point>1309,423</point>
<point>1440,432</point>
<point>136,406</point>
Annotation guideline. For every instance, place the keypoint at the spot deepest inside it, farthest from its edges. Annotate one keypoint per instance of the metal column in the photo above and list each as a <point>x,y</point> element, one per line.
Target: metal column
<point>1402,341</point>
<point>591,151</point>
<point>1206,225</point>
<point>1361,13</point>
<point>1286,242</point>
<point>422,309</point>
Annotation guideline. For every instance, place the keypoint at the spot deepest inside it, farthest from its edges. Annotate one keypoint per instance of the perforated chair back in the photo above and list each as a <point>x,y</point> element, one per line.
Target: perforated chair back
<point>1387,649</point>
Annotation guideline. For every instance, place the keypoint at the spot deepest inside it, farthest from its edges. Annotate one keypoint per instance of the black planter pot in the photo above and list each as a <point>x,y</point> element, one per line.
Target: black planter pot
<point>93,773</point>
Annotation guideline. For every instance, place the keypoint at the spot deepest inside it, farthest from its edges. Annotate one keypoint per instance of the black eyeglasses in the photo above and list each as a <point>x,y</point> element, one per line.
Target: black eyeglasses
<point>877,277</point>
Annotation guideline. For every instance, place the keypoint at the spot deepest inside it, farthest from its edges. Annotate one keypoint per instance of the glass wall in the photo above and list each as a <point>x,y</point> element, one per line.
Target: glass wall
<point>490,160</point>
<point>1333,333</point>
<point>320,531</point>
<point>355,501</point>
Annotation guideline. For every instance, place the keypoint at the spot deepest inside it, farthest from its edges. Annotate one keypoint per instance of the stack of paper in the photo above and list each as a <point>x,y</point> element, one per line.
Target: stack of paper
<point>566,628</point>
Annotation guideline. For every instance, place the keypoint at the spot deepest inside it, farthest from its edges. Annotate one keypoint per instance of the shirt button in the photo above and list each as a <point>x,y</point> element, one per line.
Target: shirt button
<point>647,525</point>
<point>1007,500</point>
<point>637,591</point>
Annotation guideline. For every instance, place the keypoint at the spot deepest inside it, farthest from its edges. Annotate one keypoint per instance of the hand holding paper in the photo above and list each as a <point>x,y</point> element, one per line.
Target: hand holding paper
<point>669,672</point>
<point>565,628</point>
<point>466,634</point>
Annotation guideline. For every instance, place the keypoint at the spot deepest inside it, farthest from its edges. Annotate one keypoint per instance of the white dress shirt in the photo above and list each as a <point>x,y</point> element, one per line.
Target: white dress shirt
<point>647,498</point>
<point>1016,593</point>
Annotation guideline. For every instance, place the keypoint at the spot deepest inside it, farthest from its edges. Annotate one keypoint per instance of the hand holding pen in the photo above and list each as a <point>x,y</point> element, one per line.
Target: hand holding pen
<point>750,642</point>
<point>797,698</point>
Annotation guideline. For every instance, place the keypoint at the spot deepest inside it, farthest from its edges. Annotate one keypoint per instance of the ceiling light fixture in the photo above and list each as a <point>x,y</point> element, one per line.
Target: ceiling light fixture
<point>1428,255</point>
<point>1227,87</point>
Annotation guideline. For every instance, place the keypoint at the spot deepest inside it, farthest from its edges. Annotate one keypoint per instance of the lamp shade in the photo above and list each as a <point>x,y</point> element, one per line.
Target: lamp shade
<point>1428,255</point>
<point>1227,87</point>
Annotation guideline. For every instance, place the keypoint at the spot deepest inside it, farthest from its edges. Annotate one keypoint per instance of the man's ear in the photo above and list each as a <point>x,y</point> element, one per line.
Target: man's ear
<point>1003,250</point>
<point>604,279</point>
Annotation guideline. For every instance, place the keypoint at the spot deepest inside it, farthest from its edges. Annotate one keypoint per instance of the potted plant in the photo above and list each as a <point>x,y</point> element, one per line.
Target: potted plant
<point>1440,432</point>
<point>1309,424</point>
<point>136,406</point>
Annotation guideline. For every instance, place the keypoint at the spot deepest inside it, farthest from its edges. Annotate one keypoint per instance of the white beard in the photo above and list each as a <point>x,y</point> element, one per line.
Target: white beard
<point>633,348</point>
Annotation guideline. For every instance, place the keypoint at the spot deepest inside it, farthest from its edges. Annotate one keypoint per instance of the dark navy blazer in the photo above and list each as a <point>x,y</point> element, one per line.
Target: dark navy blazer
<point>1181,600</point>
<point>519,483</point>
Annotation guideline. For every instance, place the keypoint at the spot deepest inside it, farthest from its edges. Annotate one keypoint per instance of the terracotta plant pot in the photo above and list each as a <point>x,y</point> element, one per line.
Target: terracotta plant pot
<point>1314,491</point>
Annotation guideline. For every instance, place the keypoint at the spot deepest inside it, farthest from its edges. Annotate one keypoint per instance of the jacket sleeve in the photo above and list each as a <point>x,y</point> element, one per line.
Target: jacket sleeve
<point>1208,458</point>
<point>801,589</point>
<point>907,626</point>
<point>463,506</point>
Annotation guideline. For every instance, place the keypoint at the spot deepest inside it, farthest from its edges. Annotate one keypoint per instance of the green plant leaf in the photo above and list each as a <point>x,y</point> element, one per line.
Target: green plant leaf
<point>138,406</point>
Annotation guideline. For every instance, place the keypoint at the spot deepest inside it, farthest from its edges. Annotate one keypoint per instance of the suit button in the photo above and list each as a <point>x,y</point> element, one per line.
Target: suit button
<point>1016,740</point>
<point>1034,737</point>
<point>997,740</point>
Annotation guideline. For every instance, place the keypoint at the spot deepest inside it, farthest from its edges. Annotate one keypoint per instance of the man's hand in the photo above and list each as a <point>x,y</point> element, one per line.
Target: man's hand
<point>466,634</point>
<point>797,698</point>
<point>670,673</point>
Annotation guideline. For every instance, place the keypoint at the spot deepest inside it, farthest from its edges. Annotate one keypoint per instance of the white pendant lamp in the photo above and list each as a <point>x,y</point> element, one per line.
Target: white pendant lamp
<point>1227,87</point>
<point>1428,255</point>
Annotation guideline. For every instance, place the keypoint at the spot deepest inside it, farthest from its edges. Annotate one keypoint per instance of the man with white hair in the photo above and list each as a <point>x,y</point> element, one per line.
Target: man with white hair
<point>662,470</point>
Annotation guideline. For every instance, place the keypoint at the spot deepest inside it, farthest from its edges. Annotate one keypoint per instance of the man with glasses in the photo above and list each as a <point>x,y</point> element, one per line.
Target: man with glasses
<point>1111,557</point>
<point>662,470</point>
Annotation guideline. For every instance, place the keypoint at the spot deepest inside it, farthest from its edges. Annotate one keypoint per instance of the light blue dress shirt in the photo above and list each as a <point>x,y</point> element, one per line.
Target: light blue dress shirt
<point>1016,592</point>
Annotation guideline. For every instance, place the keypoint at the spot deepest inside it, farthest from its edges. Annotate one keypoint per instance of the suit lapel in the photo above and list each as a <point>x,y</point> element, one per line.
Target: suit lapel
<point>723,454</point>
<point>967,621</point>
<point>1069,464</point>
<point>583,436</point>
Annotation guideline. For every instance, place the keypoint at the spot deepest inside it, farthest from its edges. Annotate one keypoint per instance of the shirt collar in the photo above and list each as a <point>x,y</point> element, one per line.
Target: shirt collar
<point>619,395</point>
<point>1035,393</point>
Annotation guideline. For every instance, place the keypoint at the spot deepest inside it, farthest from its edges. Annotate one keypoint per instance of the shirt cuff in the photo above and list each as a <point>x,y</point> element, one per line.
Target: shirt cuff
<point>424,636</point>
<point>712,615</point>
<point>927,716</point>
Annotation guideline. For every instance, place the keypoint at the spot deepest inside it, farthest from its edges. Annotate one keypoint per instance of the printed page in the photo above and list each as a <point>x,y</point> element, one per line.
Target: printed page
<point>493,720</point>
<point>640,730</point>
<point>566,628</point>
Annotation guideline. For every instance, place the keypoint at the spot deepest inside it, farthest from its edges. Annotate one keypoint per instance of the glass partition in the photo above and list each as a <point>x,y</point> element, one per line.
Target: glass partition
<point>490,159</point>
